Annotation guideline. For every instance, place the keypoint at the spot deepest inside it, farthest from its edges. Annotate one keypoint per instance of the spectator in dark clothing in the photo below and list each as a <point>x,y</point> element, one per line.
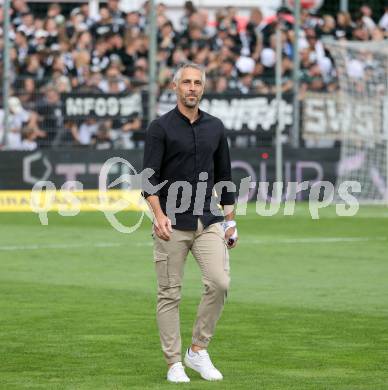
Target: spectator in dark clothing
<point>50,109</point>
<point>254,32</point>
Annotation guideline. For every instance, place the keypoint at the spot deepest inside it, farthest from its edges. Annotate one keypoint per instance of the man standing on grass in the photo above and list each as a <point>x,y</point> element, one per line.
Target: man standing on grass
<point>188,152</point>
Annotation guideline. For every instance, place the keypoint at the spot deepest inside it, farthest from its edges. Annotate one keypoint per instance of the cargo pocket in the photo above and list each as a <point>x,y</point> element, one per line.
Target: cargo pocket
<point>161,268</point>
<point>220,232</point>
<point>226,258</point>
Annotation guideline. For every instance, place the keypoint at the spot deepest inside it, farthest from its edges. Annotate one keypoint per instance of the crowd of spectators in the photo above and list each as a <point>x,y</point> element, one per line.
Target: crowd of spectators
<point>108,53</point>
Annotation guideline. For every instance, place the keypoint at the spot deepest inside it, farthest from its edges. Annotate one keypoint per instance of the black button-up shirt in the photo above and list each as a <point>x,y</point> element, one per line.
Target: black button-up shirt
<point>178,150</point>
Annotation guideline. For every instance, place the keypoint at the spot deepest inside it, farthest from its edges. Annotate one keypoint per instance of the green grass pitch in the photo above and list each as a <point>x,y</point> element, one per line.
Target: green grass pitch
<point>308,306</point>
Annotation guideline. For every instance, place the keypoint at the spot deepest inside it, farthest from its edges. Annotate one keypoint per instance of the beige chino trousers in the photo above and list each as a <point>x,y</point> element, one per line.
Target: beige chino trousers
<point>209,248</point>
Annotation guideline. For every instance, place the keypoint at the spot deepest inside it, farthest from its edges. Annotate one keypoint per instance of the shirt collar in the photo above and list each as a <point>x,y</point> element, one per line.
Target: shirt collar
<point>184,117</point>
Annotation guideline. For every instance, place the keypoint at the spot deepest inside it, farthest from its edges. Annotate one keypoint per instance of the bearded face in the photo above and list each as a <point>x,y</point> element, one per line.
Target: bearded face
<point>189,88</point>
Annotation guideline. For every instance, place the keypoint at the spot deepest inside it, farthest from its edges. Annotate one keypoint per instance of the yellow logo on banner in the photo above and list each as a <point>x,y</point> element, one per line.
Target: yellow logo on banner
<point>86,200</point>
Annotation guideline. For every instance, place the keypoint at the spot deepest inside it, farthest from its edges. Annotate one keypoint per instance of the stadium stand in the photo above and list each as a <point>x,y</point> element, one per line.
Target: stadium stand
<point>73,53</point>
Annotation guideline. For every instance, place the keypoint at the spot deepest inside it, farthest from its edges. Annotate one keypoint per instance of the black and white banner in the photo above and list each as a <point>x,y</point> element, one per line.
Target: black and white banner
<point>240,112</point>
<point>326,117</point>
<point>323,116</point>
<point>81,106</point>
<point>249,112</point>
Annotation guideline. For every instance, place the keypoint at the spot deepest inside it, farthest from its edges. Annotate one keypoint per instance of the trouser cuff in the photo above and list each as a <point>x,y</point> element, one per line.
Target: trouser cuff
<point>174,359</point>
<point>200,343</point>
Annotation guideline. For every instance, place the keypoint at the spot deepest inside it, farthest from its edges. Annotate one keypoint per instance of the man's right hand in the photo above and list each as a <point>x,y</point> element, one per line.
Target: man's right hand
<point>163,227</point>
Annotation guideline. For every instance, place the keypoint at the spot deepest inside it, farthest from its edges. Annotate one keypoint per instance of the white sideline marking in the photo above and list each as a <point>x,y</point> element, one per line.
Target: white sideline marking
<point>312,240</point>
<point>359,215</point>
<point>57,246</point>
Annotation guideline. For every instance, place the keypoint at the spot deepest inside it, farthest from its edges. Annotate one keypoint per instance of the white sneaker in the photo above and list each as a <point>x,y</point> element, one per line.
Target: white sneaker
<point>176,373</point>
<point>200,362</point>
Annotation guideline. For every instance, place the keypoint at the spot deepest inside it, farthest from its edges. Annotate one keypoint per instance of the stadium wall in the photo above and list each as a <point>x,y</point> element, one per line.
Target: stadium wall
<point>21,170</point>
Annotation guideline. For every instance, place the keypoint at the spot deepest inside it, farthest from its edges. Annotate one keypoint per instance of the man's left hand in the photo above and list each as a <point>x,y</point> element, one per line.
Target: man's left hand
<point>231,242</point>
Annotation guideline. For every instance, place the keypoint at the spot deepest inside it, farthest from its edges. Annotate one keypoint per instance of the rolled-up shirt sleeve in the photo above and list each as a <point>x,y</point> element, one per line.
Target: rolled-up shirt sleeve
<point>223,169</point>
<point>153,156</point>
